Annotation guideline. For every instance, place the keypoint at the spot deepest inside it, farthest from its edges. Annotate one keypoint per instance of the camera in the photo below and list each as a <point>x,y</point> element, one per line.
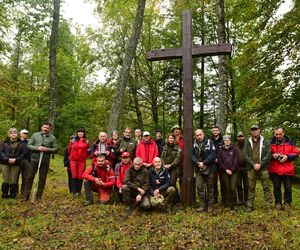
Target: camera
<point>279,157</point>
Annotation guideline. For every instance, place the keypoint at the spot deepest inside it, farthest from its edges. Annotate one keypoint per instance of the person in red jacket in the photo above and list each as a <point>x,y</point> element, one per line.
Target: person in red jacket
<point>282,167</point>
<point>78,153</point>
<point>98,178</point>
<point>121,169</point>
<point>147,150</point>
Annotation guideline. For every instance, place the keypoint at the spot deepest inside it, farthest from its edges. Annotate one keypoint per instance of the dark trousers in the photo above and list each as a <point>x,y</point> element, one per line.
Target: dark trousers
<point>24,169</point>
<point>205,190</point>
<point>287,184</point>
<point>230,188</point>
<point>174,174</point>
<point>242,186</point>
<point>33,168</point>
<point>129,196</point>
<point>217,175</point>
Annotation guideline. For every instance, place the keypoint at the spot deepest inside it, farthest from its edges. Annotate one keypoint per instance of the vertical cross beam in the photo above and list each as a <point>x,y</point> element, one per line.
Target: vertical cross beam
<point>188,186</point>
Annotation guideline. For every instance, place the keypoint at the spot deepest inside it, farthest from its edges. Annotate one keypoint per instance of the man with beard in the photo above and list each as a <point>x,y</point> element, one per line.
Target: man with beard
<point>126,143</point>
<point>242,181</point>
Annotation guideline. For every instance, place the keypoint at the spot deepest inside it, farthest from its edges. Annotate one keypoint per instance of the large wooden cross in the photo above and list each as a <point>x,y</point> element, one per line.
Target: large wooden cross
<point>187,52</point>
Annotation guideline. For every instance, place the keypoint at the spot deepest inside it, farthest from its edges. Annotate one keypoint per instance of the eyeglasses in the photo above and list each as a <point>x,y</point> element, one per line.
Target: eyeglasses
<point>125,157</point>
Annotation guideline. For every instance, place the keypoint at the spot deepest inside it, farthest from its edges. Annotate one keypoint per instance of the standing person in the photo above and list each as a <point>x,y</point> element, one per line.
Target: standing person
<point>171,157</point>
<point>203,158</point>
<point>136,185</point>
<point>284,154</point>
<point>101,147</point>
<point>228,163</point>
<point>99,178</point>
<point>138,135</point>
<point>161,193</point>
<point>78,153</point>
<point>147,150</point>
<point>176,130</point>
<point>39,142</point>
<point>258,154</point>
<point>12,152</point>
<point>160,143</point>
<point>126,143</point>
<point>112,144</point>
<point>217,139</point>
<point>24,164</point>
<point>242,179</point>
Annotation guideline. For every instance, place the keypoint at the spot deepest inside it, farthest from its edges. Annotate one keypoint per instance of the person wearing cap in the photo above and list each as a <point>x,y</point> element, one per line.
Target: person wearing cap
<point>45,142</point>
<point>12,151</point>
<point>138,135</point>
<point>282,167</point>
<point>217,139</point>
<point>24,164</point>
<point>121,169</point>
<point>228,163</point>
<point>78,151</point>
<point>126,143</point>
<point>171,157</point>
<point>258,154</point>
<point>176,130</point>
<point>203,158</point>
<point>136,185</point>
<point>242,179</point>
<point>160,191</point>
<point>147,150</point>
<point>99,178</point>
<point>160,143</point>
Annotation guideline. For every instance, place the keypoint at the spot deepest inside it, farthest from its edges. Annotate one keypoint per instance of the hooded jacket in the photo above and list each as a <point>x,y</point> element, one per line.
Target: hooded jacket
<point>284,148</point>
<point>147,151</point>
<point>137,179</point>
<point>122,169</point>
<point>163,177</point>
<point>171,154</point>
<point>228,158</point>
<point>78,149</point>
<point>7,151</point>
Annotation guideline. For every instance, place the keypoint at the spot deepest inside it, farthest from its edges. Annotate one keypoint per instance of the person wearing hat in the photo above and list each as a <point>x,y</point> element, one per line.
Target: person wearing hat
<point>147,150</point>
<point>160,143</point>
<point>203,158</point>
<point>120,170</point>
<point>228,163</point>
<point>242,179</point>
<point>12,151</point>
<point>160,191</point>
<point>99,178</point>
<point>258,154</point>
<point>136,185</point>
<point>24,165</point>
<point>78,151</point>
<point>45,142</point>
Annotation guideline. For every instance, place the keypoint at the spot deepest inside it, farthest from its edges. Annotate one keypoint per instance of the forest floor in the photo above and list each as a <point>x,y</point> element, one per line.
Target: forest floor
<point>62,222</point>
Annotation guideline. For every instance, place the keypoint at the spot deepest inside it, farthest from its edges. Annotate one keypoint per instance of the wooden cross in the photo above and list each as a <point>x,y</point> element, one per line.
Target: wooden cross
<point>187,52</point>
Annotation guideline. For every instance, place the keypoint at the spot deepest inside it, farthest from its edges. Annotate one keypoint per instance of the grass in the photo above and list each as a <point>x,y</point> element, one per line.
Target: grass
<point>61,222</point>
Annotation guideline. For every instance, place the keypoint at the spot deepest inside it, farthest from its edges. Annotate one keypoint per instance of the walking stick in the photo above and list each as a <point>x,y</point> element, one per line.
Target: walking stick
<point>36,183</point>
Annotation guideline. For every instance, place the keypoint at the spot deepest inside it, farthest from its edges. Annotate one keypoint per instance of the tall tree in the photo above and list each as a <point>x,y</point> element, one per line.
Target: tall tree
<point>127,61</point>
<point>223,75</point>
<point>52,64</point>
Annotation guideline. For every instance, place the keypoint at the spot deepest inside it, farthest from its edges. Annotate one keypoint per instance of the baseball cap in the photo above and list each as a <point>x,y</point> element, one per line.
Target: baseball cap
<point>146,133</point>
<point>240,133</point>
<point>255,126</point>
<point>24,131</point>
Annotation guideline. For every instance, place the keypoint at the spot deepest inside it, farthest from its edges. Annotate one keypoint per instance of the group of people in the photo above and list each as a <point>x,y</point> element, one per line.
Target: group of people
<point>145,172</point>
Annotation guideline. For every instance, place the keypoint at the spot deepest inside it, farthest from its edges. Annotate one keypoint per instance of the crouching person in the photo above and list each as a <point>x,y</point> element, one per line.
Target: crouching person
<point>136,185</point>
<point>98,178</point>
<point>161,193</point>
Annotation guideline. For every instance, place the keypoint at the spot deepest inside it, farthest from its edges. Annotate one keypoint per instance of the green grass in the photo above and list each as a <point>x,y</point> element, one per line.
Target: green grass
<point>60,222</point>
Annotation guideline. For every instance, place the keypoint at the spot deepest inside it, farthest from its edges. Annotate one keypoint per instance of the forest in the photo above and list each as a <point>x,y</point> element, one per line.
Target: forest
<point>50,69</point>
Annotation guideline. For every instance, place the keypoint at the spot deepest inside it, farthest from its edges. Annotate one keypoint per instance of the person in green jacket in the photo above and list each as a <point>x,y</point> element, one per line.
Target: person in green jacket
<point>258,155</point>
<point>39,142</point>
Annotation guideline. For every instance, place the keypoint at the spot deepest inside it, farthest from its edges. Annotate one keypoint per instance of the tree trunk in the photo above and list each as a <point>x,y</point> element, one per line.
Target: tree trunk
<point>53,65</point>
<point>127,61</point>
<point>223,78</point>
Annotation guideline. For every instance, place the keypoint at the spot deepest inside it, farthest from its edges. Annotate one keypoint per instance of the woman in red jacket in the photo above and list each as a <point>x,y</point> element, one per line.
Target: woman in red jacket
<point>78,153</point>
<point>99,178</point>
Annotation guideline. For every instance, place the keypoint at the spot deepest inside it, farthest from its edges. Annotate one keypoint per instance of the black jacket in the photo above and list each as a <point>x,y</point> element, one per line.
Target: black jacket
<point>163,177</point>
<point>7,152</point>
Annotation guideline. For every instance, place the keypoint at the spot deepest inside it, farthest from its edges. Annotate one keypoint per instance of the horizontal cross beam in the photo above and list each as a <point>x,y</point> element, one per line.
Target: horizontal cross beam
<point>197,51</point>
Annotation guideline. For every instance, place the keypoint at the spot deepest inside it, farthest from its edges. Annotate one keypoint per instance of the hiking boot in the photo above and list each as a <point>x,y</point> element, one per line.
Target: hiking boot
<point>278,207</point>
<point>13,190</point>
<point>287,207</point>
<point>5,190</point>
